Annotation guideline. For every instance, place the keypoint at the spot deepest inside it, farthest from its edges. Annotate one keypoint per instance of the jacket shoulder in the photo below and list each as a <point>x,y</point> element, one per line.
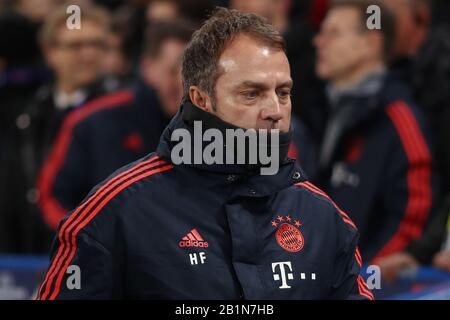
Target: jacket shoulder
<point>101,207</point>
<point>89,112</point>
<point>398,98</point>
<point>409,128</point>
<point>334,223</point>
<point>321,205</point>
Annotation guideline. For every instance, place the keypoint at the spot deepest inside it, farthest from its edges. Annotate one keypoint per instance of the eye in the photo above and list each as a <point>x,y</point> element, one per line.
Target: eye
<point>250,94</point>
<point>284,94</point>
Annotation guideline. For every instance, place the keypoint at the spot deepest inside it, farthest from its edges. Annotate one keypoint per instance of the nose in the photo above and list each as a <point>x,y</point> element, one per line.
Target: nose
<point>272,111</point>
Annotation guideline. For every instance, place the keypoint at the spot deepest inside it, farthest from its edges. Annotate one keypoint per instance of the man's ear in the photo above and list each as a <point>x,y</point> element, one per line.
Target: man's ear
<point>200,98</point>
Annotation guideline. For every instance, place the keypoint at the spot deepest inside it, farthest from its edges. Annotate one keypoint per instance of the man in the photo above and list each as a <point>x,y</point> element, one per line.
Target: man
<point>412,29</point>
<point>157,230</point>
<point>372,146</point>
<point>118,62</point>
<point>422,59</point>
<point>75,57</point>
<point>115,129</point>
<point>412,25</point>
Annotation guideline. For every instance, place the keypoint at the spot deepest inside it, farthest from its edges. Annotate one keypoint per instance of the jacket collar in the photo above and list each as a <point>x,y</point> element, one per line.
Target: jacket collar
<point>355,107</point>
<point>246,179</point>
<point>367,87</point>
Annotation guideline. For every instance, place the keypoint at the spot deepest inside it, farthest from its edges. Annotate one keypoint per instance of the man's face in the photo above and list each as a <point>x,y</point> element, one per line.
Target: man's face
<point>115,62</point>
<point>341,46</point>
<point>77,55</point>
<point>163,73</point>
<point>253,88</point>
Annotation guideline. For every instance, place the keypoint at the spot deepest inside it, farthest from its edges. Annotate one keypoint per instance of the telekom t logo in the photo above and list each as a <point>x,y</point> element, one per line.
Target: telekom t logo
<point>284,275</point>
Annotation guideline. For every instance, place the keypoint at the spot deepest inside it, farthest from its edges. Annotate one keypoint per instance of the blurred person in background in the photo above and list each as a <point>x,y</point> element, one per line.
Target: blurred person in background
<point>275,11</point>
<point>21,74</point>
<point>21,70</point>
<point>115,129</point>
<point>21,67</point>
<point>370,140</point>
<point>143,13</point>
<point>422,58</point>
<point>75,58</point>
<point>118,60</point>
<point>163,10</point>
<point>411,30</point>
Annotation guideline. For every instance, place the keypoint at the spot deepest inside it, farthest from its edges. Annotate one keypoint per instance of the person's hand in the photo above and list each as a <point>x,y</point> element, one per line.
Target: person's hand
<point>392,265</point>
<point>442,260</point>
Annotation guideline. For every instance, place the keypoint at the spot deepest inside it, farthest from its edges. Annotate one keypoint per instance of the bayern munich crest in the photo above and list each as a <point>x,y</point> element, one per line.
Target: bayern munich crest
<point>288,234</point>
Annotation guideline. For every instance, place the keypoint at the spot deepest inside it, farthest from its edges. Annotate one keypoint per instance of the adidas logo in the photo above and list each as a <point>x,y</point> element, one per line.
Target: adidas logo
<point>193,239</point>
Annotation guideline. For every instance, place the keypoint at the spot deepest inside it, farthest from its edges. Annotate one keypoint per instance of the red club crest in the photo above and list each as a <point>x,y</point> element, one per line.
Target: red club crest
<point>288,236</point>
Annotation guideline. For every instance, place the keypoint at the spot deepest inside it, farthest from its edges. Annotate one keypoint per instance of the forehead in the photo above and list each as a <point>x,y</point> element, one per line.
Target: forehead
<point>248,59</point>
<point>343,17</point>
<point>399,5</point>
<point>89,29</point>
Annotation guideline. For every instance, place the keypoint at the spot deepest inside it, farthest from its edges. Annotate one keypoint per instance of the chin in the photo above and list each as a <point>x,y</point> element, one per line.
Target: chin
<point>87,80</point>
<point>322,73</point>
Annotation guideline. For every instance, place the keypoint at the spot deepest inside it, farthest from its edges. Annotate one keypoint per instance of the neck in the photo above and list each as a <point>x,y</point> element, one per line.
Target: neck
<point>357,75</point>
<point>239,151</point>
<point>66,87</point>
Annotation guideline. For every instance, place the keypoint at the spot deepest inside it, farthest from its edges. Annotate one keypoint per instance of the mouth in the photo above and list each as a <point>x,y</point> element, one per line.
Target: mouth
<point>269,126</point>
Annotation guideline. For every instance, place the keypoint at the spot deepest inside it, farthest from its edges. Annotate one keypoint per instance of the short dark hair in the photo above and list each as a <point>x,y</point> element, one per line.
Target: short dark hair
<point>200,59</point>
<point>159,32</point>
<point>387,21</point>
